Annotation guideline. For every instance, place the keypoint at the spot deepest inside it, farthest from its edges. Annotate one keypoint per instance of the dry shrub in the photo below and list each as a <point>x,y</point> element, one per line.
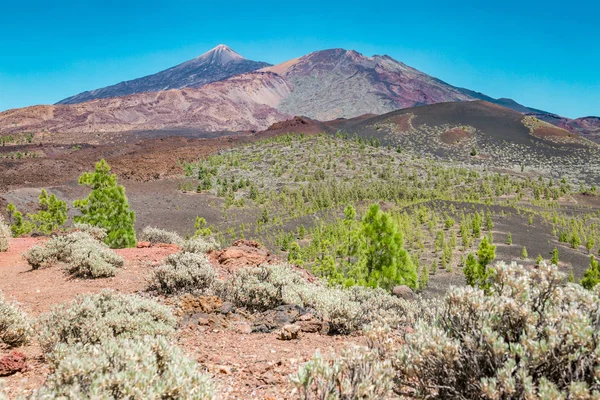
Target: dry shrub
<point>123,368</point>
<point>533,337</point>
<point>183,273</point>
<point>96,318</point>
<point>15,325</point>
<point>84,255</point>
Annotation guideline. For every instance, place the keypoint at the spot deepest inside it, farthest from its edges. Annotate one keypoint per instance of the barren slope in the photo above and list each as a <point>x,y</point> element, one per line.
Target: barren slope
<point>215,65</point>
<point>244,102</point>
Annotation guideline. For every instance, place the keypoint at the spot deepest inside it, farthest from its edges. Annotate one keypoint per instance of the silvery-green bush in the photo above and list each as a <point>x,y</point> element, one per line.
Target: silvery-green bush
<point>83,254</point>
<point>533,337</point>
<point>15,325</point>
<point>5,235</point>
<point>96,318</point>
<point>156,235</point>
<point>269,286</point>
<point>200,245</point>
<point>183,273</point>
<point>123,368</point>
<point>358,373</point>
<point>94,231</point>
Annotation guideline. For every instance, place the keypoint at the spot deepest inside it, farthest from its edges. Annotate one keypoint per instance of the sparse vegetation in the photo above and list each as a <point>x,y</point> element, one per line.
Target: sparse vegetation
<point>99,318</point>
<point>107,207</point>
<point>519,324</point>
<point>144,367</point>
<point>155,235</point>
<point>5,235</point>
<point>51,216</point>
<point>15,325</point>
<point>347,310</point>
<point>183,273</point>
<point>83,255</point>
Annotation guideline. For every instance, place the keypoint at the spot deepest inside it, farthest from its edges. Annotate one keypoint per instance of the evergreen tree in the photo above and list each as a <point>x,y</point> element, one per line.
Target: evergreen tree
<point>18,225</point>
<point>202,228</point>
<point>52,214</point>
<point>107,207</point>
<point>509,239</point>
<point>554,259</point>
<point>524,254</point>
<point>589,244</point>
<point>424,278</point>
<point>476,271</point>
<point>591,277</point>
<point>539,259</point>
<point>385,261</point>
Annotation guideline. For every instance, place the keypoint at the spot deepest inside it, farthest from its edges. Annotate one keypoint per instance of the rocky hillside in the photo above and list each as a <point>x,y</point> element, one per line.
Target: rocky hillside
<point>245,102</point>
<point>324,85</point>
<point>338,83</point>
<point>215,65</point>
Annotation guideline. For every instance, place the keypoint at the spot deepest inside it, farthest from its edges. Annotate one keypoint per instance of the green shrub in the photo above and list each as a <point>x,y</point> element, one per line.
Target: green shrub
<point>18,224</point>
<point>358,373</point>
<point>476,271</point>
<point>5,235</point>
<point>124,368</point>
<point>183,273</point>
<point>107,207</point>
<point>591,277</point>
<point>52,214</point>
<point>96,318</point>
<point>155,235</point>
<point>83,255</point>
<point>15,326</point>
<point>532,336</point>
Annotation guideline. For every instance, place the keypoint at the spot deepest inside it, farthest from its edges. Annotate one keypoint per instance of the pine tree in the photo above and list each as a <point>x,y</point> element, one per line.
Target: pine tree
<point>424,278</point>
<point>539,259</point>
<point>554,259</point>
<point>52,214</point>
<point>591,277</point>
<point>589,244</point>
<point>107,207</point>
<point>524,254</point>
<point>386,262</point>
<point>19,226</point>
<point>509,239</point>
<point>476,272</point>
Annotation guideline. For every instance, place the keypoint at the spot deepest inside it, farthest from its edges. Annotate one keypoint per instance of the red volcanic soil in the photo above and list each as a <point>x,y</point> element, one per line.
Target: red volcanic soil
<point>243,365</point>
<point>453,135</point>
<point>550,132</point>
<point>38,290</point>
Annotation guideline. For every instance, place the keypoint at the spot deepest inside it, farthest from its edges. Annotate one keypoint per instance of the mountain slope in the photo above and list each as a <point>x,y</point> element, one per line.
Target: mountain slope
<point>337,83</point>
<point>215,65</point>
<point>244,102</point>
<point>502,138</point>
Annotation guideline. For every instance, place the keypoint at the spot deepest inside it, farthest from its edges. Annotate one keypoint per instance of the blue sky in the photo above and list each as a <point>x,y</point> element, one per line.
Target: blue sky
<point>544,54</point>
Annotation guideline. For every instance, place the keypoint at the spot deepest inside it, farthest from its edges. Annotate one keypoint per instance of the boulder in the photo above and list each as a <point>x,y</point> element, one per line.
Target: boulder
<point>403,292</point>
<point>13,362</point>
<point>289,332</point>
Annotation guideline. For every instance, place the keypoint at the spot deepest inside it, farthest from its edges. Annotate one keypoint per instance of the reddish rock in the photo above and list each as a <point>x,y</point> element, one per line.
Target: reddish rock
<point>143,245</point>
<point>242,253</point>
<point>13,362</point>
